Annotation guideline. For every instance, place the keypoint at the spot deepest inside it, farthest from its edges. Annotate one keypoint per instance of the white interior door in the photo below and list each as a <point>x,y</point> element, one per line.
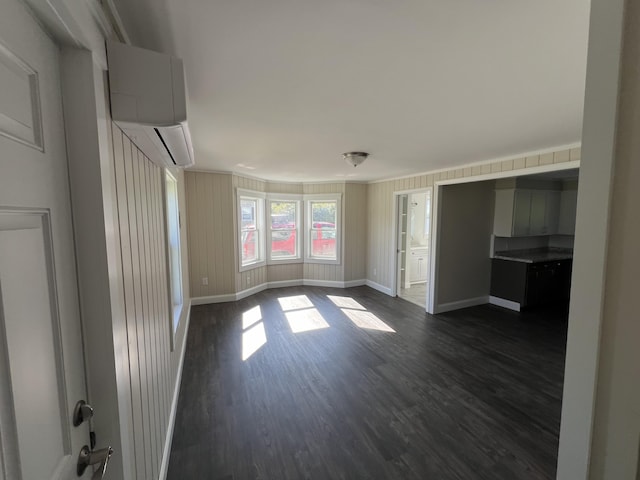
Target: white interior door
<point>41,359</point>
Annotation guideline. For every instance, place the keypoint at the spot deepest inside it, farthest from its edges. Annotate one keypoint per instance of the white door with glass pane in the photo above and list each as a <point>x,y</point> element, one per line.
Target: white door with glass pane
<point>41,359</point>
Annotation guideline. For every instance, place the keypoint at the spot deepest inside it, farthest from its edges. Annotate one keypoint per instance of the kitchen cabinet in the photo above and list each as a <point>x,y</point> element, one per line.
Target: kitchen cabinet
<point>520,212</point>
<point>531,284</point>
<point>418,265</point>
<point>568,207</point>
<point>548,283</point>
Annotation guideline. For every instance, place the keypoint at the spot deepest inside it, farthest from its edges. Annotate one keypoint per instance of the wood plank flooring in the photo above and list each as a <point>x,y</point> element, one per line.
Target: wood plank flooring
<point>473,394</point>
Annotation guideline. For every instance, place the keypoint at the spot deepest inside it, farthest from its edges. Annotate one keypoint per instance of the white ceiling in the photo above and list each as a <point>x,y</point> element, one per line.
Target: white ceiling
<point>284,87</point>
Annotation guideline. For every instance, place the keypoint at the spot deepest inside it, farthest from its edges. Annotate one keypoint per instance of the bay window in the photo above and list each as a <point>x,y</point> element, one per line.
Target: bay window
<point>275,228</point>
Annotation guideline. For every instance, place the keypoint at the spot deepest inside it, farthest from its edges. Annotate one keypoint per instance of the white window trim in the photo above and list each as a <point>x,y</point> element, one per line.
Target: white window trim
<point>337,197</point>
<point>300,226</point>
<point>260,217</point>
<point>175,309</point>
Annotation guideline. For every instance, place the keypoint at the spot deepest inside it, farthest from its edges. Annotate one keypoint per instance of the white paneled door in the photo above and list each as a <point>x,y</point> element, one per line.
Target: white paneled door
<point>41,360</point>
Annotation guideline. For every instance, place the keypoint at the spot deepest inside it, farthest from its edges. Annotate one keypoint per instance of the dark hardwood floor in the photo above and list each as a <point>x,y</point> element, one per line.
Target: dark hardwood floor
<point>472,394</point>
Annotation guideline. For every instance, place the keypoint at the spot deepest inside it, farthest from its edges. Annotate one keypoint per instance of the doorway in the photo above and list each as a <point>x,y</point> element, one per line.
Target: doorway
<point>413,231</point>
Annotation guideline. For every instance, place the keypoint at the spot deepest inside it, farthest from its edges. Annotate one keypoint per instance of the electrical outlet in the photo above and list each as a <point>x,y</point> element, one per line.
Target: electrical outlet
<point>375,271</point>
<point>205,280</point>
<point>248,280</point>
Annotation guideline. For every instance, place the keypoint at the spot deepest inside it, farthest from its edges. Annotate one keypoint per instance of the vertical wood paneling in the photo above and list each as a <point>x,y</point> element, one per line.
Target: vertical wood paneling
<point>276,187</point>
<point>141,220</point>
<point>139,175</point>
<point>130,307</point>
<point>355,235</point>
<point>154,310</point>
<point>211,232</point>
<point>189,190</point>
<point>286,272</point>
<point>149,309</point>
<point>135,224</point>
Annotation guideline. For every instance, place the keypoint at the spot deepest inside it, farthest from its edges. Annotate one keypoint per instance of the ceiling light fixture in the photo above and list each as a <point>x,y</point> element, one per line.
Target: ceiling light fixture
<point>355,158</point>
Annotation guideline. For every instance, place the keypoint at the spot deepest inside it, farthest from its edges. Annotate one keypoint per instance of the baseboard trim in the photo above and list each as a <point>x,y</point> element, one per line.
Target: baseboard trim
<point>285,283</point>
<point>378,287</point>
<point>227,297</point>
<point>323,283</point>
<point>250,291</point>
<point>503,302</point>
<point>457,305</point>
<point>164,466</point>
<point>232,297</point>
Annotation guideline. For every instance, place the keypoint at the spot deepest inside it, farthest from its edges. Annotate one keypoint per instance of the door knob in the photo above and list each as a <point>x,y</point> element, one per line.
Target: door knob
<point>82,412</point>
<point>95,457</point>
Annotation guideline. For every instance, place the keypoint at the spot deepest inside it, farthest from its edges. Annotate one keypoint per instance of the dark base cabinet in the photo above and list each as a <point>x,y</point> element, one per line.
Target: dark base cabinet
<point>531,284</point>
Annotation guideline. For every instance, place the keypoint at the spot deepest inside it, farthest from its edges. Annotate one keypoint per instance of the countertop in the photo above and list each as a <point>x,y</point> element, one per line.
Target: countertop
<point>535,256</point>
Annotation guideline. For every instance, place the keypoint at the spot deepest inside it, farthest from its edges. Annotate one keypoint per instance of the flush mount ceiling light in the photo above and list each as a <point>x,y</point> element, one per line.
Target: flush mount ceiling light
<point>355,158</point>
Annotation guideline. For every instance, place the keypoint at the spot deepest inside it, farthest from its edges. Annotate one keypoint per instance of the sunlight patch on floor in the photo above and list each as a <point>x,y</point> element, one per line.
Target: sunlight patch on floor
<point>367,320</point>
<point>345,302</point>
<point>252,340</point>
<point>294,303</point>
<point>251,316</point>
<point>306,320</point>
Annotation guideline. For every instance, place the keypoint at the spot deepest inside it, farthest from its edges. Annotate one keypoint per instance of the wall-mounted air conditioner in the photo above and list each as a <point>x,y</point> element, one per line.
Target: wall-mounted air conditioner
<point>149,102</point>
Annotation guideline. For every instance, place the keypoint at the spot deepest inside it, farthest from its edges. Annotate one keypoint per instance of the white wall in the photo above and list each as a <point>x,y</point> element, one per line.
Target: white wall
<point>616,434</point>
<point>465,224</point>
<point>592,226</point>
<point>118,214</point>
<point>93,209</point>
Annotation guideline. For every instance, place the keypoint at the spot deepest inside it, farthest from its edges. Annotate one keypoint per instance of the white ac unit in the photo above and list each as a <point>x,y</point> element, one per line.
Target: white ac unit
<point>149,102</point>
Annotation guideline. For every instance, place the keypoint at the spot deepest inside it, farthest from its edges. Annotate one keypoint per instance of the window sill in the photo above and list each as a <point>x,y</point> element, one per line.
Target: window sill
<point>285,261</point>
<point>323,261</point>
<point>252,266</point>
<point>175,323</point>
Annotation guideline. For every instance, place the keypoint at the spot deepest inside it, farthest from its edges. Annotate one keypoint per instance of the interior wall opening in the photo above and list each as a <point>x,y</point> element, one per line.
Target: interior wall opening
<point>413,232</point>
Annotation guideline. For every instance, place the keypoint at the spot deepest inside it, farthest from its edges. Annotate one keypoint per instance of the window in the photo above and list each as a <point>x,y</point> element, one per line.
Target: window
<point>284,236</point>
<point>323,227</point>
<point>251,234</point>
<point>272,227</point>
<point>173,244</point>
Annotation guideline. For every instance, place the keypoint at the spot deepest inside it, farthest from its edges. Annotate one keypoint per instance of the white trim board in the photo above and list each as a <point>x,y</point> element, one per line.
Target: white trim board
<point>532,153</point>
<point>457,305</point>
<point>504,303</point>
<point>552,167</point>
<point>166,453</point>
<point>232,297</point>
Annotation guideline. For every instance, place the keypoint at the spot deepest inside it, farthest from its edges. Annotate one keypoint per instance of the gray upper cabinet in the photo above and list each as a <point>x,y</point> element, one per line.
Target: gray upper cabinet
<point>568,204</point>
<point>522,212</point>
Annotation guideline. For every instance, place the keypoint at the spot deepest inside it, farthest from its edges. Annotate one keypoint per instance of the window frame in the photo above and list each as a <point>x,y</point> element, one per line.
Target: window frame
<point>318,198</point>
<point>286,198</point>
<point>260,198</point>
<point>173,227</point>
